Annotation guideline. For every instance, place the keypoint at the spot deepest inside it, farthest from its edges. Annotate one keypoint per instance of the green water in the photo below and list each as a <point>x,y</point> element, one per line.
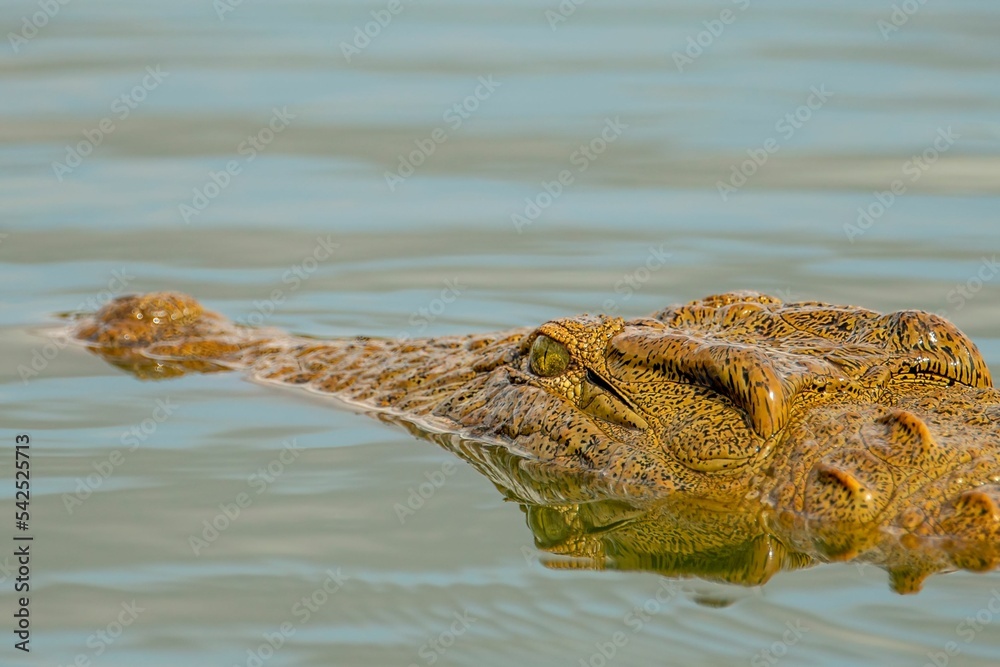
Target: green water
<point>152,206</point>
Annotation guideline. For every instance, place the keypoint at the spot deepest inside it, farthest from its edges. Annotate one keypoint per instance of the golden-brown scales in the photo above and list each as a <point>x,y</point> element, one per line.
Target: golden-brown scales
<point>833,431</point>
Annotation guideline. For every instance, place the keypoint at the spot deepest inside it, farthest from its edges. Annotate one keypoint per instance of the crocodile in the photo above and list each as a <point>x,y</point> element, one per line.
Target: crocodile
<point>730,437</point>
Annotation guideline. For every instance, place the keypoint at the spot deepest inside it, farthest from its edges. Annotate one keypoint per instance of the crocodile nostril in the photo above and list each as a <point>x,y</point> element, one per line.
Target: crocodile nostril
<point>139,320</point>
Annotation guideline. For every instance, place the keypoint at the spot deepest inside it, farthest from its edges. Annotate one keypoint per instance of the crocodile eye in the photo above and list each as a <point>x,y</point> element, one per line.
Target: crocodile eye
<point>548,357</point>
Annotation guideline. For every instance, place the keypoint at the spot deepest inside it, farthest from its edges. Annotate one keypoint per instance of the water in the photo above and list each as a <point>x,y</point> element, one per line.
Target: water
<point>115,222</point>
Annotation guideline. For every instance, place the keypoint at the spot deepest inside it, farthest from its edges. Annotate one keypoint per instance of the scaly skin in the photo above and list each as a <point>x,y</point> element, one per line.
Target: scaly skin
<point>797,432</point>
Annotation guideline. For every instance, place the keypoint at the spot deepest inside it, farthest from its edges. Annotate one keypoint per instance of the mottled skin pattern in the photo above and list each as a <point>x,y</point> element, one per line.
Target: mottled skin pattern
<point>796,432</point>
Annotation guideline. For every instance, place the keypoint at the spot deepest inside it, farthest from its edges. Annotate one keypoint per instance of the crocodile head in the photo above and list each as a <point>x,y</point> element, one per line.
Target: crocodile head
<point>709,390</point>
<point>845,424</point>
<point>841,419</point>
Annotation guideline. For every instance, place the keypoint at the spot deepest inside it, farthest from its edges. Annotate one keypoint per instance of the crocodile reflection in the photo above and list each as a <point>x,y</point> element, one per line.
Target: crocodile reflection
<point>588,522</point>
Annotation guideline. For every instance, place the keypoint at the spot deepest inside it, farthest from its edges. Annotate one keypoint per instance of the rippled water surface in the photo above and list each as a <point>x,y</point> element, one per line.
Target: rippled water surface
<point>836,152</point>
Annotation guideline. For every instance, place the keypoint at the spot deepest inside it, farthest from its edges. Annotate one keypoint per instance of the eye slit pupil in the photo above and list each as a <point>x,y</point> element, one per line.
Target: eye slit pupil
<point>548,357</point>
